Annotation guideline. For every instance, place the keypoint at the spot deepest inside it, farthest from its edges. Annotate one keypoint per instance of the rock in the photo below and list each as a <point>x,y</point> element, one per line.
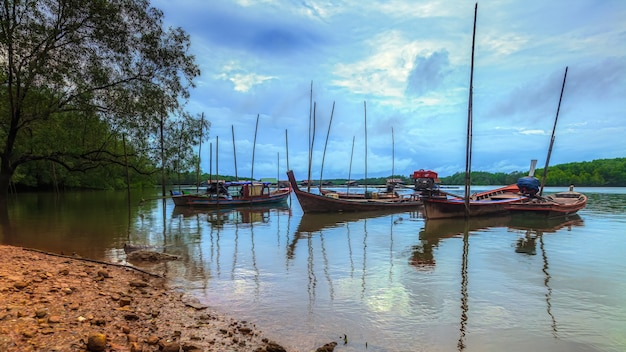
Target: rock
<point>54,319</point>
<point>28,334</point>
<point>124,301</point>
<point>274,347</point>
<point>138,283</point>
<point>329,347</point>
<point>131,316</point>
<point>21,284</point>
<point>104,274</point>
<point>97,342</point>
<point>40,313</point>
<point>194,303</point>
<point>245,331</point>
<point>149,256</point>
<point>152,340</point>
<point>187,347</point>
<point>171,347</point>
<point>135,347</point>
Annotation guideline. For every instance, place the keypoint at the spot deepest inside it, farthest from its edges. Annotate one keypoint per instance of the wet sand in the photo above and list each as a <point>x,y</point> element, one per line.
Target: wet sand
<point>51,302</point>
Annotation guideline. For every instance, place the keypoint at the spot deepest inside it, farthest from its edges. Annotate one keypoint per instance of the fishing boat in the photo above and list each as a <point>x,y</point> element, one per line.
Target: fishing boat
<point>233,194</point>
<point>441,205</point>
<point>361,195</point>
<point>553,205</point>
<point>318,203</point>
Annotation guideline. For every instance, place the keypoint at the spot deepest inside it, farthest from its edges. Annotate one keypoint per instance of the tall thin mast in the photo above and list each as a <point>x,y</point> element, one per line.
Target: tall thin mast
<point>326,144</point>
<point>545,169</point>
<point>254,147</point>
<point>232,128</point>
<point>468,150</point>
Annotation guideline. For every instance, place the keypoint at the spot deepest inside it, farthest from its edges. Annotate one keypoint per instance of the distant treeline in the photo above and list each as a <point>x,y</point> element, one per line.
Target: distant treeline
<point>596,173</point>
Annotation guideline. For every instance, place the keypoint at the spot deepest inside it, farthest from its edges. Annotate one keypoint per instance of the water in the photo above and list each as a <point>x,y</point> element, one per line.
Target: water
<point>391,282</point>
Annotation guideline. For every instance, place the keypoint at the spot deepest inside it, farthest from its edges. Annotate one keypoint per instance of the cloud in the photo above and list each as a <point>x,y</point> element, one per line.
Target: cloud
<point>428,73</point>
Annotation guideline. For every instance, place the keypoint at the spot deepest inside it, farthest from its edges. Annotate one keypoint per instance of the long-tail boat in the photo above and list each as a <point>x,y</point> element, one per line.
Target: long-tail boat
<point>247,193</point>
<point>317,203</point>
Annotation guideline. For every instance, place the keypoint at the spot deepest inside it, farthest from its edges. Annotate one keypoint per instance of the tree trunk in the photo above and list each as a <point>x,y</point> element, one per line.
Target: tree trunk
<point>5,179</point>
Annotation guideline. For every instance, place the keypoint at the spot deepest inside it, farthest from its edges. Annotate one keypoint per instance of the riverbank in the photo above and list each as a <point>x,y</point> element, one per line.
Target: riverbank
<point>59,303</point>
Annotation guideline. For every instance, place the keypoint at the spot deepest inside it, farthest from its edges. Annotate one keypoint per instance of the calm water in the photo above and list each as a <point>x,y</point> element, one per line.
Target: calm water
<point>392,281</point>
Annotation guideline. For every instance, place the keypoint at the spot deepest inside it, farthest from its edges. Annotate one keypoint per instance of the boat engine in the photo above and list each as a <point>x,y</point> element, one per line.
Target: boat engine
<point>425,180</point>
<point>528,185</point>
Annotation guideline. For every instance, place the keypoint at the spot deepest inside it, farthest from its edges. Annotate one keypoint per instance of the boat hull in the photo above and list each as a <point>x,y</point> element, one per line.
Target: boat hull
<point>455,208</point>
<point>480,204</point>
<point>561,204</point>
<point>315,203</point>
<point>191,200</point>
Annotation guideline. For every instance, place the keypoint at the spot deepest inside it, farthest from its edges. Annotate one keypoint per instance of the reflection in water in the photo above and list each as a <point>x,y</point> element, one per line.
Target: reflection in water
<point>406,289</point>
<point>533,230</point>
<point>464,281</point>
<point>435,230</point>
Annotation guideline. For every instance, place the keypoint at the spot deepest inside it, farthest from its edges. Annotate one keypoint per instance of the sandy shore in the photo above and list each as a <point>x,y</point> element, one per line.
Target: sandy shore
<point>58,303</point>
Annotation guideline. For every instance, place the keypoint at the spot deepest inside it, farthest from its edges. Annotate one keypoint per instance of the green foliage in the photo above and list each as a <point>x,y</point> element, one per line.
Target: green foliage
<point>596,173</point>
<point>89,89</point>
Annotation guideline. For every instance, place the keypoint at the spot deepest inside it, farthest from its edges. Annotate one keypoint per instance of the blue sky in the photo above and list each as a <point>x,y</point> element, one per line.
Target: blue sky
<point>408,62</point>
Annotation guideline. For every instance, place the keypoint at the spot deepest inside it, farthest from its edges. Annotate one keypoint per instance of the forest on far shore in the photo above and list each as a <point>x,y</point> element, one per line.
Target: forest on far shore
<point>596,173</point>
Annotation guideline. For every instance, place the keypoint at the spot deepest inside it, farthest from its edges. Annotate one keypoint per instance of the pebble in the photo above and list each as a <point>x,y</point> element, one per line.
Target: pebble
<point>97,342</point>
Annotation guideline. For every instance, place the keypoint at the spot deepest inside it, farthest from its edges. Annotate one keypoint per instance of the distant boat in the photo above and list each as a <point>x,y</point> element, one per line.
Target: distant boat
<point>317,203</point>
<point>233,194</point>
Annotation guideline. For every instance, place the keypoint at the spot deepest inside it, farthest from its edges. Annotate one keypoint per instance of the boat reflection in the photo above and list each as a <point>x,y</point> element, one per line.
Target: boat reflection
<point>533,231</point>
<point>434,230</point>
<point>534,227</point>
<point>311,223</point>
<point>221,217</point>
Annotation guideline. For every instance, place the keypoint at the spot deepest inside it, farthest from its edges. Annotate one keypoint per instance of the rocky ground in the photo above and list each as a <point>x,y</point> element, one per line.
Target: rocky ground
<point>58,303</point>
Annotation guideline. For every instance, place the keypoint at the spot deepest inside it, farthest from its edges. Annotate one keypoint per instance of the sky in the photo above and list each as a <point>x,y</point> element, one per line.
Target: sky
<point>387,83</point>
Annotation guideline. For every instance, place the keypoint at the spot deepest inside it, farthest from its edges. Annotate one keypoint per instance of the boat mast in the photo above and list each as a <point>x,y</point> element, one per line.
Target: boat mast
<point>545,169</point>
<point>254,147</point>
<point>232,128</point>
<point>311,136</point>
<point>326,144</point>
<point>365,113</point>
<point>350,168</point>
<point>468,149</point>
<point>199,155</point>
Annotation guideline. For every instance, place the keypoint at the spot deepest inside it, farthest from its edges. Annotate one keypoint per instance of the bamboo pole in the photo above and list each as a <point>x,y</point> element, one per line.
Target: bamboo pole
<point>326,144</point>
<point>311,148</point>
<point>545,169</point>
<point>254,146</point>
<point>234,151</point>
<point>468,149</point>
<point>350,168</point>
<point>365,113</point>
<point>199,155</point>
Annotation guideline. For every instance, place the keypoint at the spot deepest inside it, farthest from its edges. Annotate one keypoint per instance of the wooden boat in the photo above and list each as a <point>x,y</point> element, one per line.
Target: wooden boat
<point>365,195</point>
<point>553,205</point>
<point>438,204</point>
<point>246,193</point>
<point>317,203</point>
<point>441,205</point>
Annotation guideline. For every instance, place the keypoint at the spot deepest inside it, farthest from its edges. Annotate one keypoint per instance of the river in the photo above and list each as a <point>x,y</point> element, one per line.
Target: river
<point>371,282</point>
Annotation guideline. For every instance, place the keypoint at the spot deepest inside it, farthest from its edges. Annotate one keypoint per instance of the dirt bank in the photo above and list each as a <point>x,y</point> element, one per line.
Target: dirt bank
<point>55,303</point>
